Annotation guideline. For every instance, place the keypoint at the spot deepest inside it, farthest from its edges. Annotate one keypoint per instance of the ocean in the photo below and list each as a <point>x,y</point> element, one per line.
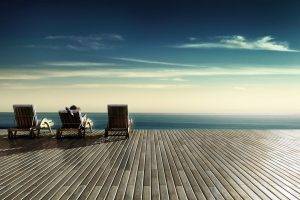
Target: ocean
<point>181,121</point>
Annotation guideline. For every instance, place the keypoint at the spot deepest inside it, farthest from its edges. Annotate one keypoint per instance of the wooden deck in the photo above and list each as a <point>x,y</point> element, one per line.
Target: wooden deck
<point>154,164</point>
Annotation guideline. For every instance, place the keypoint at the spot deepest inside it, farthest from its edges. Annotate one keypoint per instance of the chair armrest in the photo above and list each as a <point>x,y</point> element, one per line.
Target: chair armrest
<point>130,122</point>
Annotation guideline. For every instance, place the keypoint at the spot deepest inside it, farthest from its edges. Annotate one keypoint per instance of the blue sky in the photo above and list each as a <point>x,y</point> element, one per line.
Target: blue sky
<point>171,56</point>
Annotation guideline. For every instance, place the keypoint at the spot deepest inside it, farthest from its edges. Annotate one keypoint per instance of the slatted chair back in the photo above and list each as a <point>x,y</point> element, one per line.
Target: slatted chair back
<point>25,116</point>
<point>70,121</point>
<point>117,116</point>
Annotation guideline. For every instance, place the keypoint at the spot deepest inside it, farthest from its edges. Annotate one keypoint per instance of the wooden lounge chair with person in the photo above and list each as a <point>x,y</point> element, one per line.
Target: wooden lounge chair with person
<point>74,121</point>
<point>118,121</point>
<point>26,120</point>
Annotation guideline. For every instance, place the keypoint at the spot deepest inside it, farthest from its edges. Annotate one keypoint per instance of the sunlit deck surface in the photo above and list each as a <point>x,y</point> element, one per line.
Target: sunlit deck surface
<point>154,164</point>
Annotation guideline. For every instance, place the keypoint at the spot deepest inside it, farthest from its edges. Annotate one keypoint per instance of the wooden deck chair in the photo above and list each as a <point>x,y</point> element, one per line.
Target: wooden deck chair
<point>118,120</point>
<point>73,121</point>
<point>26,120</point>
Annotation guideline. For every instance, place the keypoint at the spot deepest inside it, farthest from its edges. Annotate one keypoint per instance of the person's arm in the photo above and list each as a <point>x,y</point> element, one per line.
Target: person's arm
<point>69,111</point>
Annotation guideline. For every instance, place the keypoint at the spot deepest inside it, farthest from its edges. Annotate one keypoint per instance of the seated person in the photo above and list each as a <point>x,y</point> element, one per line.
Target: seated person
<point>83,117</point>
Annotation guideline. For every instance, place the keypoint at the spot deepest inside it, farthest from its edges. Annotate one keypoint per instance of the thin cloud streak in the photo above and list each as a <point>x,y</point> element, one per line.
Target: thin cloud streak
<point>176,74</point>
<point>92,37</point>
<point>14,76</point>
<point>155,62</point>
<point>79,42</point>
<point>89,42</point>
<point>17,86</point>
<point>77,64</point>
<point>266,43</point>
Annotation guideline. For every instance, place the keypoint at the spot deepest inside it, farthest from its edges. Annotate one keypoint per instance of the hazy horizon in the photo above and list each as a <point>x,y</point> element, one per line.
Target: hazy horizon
<point>237,57</point>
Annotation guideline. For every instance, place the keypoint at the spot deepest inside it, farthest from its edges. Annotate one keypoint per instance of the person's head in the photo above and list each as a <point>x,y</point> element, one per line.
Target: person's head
<point>73,107</point>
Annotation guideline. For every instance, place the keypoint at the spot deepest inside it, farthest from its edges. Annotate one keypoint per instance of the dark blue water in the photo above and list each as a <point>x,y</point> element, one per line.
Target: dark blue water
<point>175,121</point>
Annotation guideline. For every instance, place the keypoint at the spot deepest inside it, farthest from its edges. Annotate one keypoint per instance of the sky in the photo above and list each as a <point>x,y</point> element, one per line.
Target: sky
<point>234,56</point>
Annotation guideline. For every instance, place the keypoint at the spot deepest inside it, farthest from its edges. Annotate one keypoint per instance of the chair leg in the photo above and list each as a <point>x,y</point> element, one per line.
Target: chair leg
<point>80,133</point>
<point>106,133</point>
<point>58,134</point>
<point>10,134</point>
<point>38,132</point>
<point>90,127</point>
<point>83,133</point>
<point>31,133</point>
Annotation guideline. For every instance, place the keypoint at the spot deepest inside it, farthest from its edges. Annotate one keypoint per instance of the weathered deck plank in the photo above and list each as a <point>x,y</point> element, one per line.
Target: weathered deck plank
<point>154,164</point>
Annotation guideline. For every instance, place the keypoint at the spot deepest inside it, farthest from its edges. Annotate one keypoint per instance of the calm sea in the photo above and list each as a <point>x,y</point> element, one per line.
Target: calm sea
<point>175,121</point>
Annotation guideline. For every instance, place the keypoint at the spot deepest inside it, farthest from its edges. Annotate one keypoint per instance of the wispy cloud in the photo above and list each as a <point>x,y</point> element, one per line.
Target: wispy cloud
<point>77,64</point>
<point>240,42</point>
<point>173,79</point>
<point>93,37</point>
<point>172,74</point>
<point>130,86</point>
<point>155,62</point>
<point>14,75</point>
<point>192,38</point>
<point>18,86</point>
<point>80,42</point>
<point>43,46</point>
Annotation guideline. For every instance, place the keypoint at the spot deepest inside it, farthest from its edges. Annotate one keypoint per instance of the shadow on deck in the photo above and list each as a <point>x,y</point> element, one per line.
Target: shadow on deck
<point>24,143</point>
